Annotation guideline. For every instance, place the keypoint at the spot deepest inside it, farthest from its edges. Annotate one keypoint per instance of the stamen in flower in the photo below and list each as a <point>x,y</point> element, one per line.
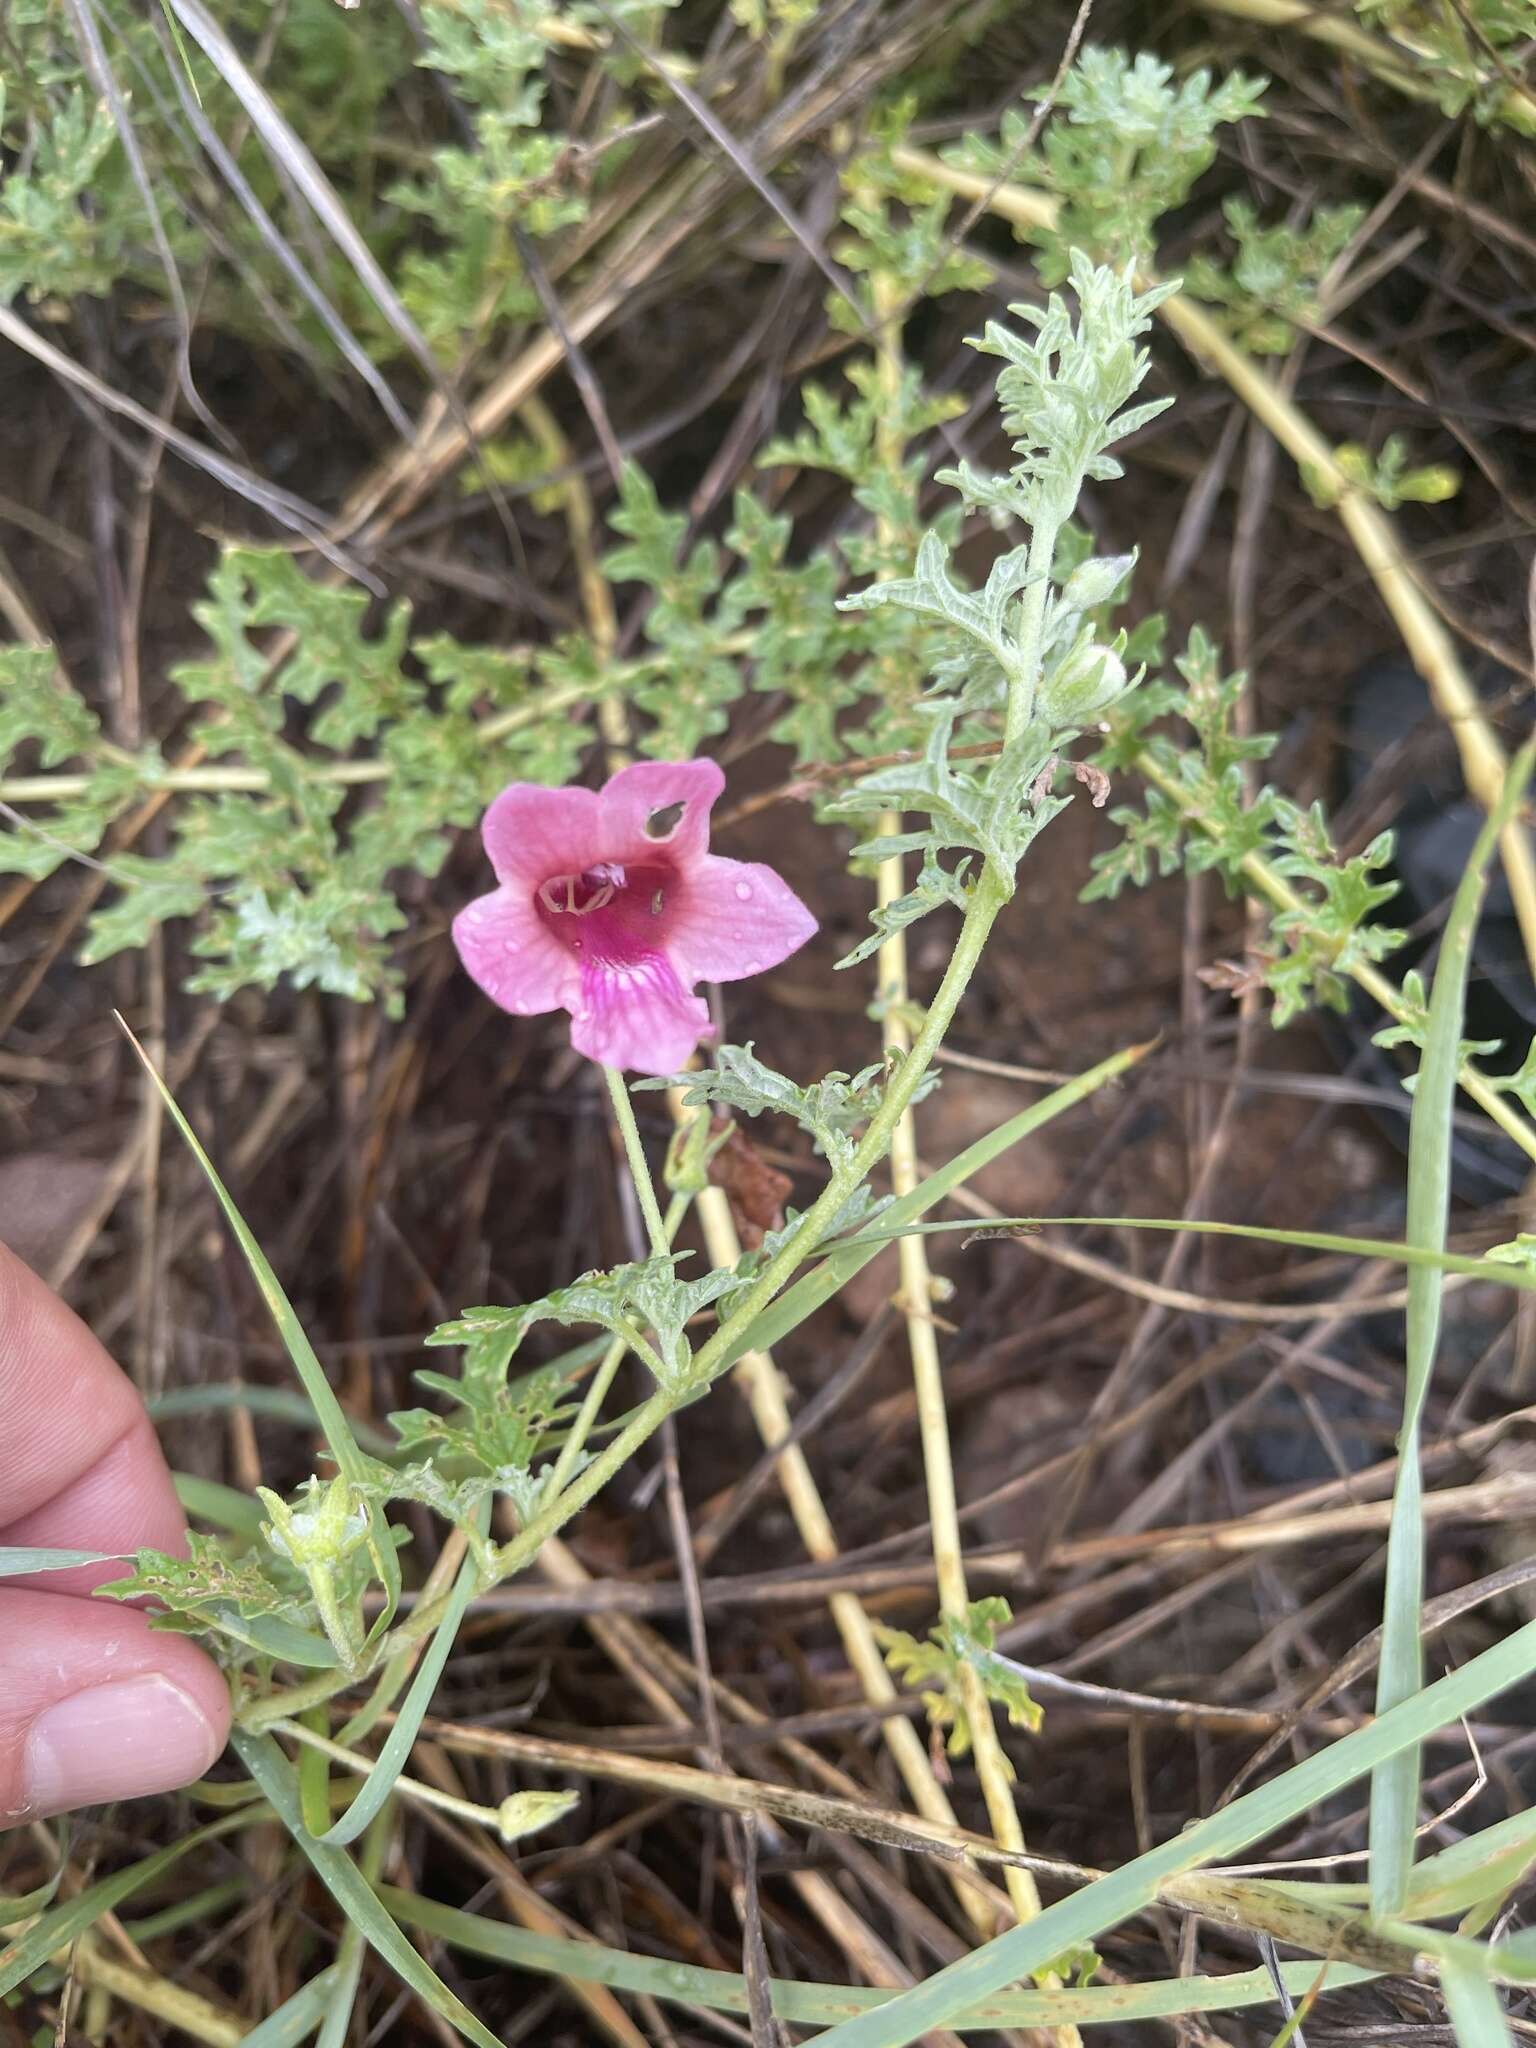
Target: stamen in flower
<point>612,907</point>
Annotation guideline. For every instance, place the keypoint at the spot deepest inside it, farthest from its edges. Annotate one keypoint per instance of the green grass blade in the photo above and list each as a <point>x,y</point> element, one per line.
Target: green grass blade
<point>350,1889</point>
<point>1500,1272</point>
<point>1088,1913</point>
<point>346,1975</point>
<point>1481,1867</point>
<point>198,1908</point>
<point>1476,2010</point>
<point>380,1781</point>
<point>329,1414</point>
<point>297,2017</point>
<point>772,1324</point>
<point>328,1410</point>
<point>63,1923</point>
<point>1395,1787</point>
<point>587,1962</point>
<point>351,1948</point>
<point>14,1561</point>
<point>281,1404</point>
<point>27,1905</point>
<point>224,1506</point>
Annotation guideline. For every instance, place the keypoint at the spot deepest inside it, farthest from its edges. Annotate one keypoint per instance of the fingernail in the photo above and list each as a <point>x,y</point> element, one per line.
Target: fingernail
<point>118,1741</point>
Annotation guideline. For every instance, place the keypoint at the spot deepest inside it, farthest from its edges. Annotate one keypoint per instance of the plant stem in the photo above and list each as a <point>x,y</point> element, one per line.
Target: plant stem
<point>639,1166</point>
<point>1376,985</point>
<point>523,1548</point>
<point>992,1768</point>
<point>337,1625</point>
<point>602,1378</point>
<point>765,1391</point>
<point>407,1788</point>
<point>1022,688</point>
<point>987,899</point>
<point>988,896</point>
<point>1483,760</point>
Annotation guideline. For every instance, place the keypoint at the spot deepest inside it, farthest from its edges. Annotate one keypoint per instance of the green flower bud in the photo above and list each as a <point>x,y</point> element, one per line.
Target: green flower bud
<point>1095,581</point>
<point>1431,485</point>
<point>524,1813</point>
<point>320,1530</point>
<point>1087,682</point>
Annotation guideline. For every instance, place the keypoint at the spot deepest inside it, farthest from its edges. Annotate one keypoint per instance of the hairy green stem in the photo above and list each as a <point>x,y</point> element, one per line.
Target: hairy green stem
<point>602,1378</point>
<point>314,1741</point>
<point>223,779</point>
<point>639,1166</point>
<point>1379,987</point>
<point>337,1624</point>
<point>991,892</point>
<point>987,899</point>
<point>1024,685</point>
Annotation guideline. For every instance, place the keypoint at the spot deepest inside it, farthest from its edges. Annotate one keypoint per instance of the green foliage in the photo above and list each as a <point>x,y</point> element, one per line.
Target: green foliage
<point>629,1301</point>
<point>36,704</point>
<point>899,230</point>
<point>1065,392</point>
<point>516,172</point>
<point>694,683</point>
<point>292,880</point>
<point>1199,814</point>
<point>501,1425</point>
<point>242,1606</point>
<point>830,1110</point>
<point>53,244</point>
<point>495,1437</point>
<point>73,221</point>
<point>876,663</point>
<point>972,810</point>
<point>1467,53</point>
<point>1029,643</point>
<point>1411,1028</point>
<point>1125,146</point>
<point>1389,477</point>
<point>765,19</point>
<point>798,640</point>
<point>1274,277</point>
<point>937,1662</point>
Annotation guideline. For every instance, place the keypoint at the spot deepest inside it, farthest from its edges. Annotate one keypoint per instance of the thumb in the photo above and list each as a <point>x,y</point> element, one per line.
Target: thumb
<point>95,1705</point>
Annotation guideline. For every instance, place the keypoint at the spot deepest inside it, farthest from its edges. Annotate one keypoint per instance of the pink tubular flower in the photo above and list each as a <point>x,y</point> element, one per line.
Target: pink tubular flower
<point>611,906</point>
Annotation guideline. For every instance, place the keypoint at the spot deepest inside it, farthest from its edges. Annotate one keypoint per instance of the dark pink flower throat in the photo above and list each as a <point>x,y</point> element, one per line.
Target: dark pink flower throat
<point>610,913</point>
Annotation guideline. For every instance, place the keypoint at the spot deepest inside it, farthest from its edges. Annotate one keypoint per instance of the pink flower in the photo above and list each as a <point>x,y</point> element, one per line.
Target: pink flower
<point>611,906</point>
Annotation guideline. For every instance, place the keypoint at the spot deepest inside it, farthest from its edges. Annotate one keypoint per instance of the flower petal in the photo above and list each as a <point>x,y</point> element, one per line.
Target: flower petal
<point>532,833</point>
<point>653,789</point>
<point>638,1014</point>
<point>734,918</point>
<point>509,951</point>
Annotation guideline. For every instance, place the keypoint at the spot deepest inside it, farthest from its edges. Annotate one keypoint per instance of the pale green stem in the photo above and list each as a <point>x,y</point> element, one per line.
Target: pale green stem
<point>1273,885</point>
<point>602,1378</point>
<point>344,1636</point>
<point>1024,686</point>
<point>407,1788</point>
<point>222,778</point>
<point>987,899</point>
<point>639,1166</point>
